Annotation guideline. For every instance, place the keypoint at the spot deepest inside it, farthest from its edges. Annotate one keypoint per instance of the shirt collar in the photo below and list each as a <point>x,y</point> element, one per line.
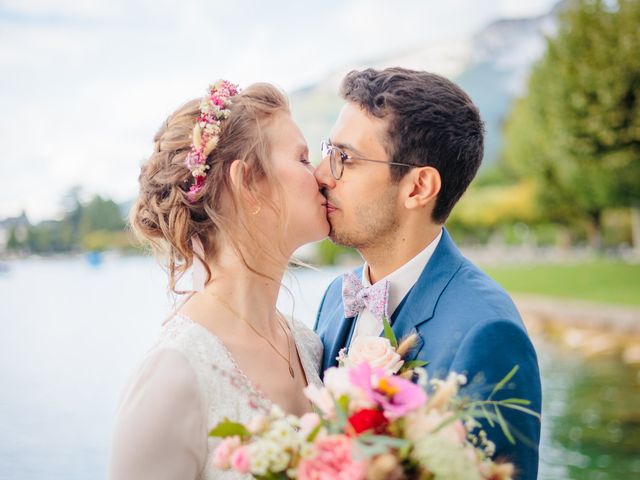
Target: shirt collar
<point>405,277</point>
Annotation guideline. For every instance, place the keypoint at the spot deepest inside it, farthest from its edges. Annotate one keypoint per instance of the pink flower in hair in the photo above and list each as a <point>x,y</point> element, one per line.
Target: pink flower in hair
<point>214,108</point>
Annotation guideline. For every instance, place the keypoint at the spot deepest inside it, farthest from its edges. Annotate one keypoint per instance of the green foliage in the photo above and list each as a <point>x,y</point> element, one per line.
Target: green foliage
<point>577,131</point>
<point>94,225</point>
<point>329,253</point>
<point>100,214</point>
<point>413,364</point>
<point>494,205</point>
<point>100,240</point>
<point>13,243</point>
<point>581,281</point>
<point>388,332</point>
<point>227,428</point>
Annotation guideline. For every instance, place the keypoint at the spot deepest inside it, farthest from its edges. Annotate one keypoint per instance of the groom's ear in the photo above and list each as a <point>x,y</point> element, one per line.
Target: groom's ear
<point>422,186</point>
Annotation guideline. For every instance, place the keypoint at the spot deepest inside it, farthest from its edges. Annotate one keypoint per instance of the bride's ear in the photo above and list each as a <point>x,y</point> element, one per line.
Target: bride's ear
<point>238,173</point>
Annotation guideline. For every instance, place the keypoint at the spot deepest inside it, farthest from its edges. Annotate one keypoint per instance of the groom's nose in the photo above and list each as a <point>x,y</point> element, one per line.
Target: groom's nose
<point>323,174</point>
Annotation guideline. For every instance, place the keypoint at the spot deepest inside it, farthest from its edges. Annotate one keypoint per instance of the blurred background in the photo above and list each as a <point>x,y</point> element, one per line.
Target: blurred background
<point>554,214</point>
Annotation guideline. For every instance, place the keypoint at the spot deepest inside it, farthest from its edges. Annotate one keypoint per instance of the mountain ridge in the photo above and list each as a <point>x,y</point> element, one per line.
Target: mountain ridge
<point>492,66</point>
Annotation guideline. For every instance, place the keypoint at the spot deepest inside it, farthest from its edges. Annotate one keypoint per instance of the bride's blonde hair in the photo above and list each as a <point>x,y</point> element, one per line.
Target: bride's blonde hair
<point>163,215</point>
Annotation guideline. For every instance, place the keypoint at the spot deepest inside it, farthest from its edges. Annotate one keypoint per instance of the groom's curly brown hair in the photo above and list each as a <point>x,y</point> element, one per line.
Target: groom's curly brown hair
<point>431,122</point>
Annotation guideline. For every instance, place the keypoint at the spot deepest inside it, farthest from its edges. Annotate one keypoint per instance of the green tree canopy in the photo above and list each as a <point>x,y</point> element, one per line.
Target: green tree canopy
<point>577,130</point>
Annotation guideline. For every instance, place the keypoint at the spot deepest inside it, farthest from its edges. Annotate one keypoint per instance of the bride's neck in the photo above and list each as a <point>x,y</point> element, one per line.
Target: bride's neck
<point>250,285</point>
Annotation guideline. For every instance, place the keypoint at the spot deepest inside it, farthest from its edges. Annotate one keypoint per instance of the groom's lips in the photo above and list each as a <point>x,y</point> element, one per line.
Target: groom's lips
<point>330,208</point>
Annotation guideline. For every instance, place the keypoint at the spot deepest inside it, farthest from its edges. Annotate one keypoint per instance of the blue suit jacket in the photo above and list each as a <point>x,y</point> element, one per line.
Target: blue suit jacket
<point>467,324</point>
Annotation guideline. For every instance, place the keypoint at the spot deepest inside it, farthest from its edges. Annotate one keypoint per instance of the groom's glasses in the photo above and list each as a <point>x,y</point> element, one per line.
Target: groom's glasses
<point>337,159</point>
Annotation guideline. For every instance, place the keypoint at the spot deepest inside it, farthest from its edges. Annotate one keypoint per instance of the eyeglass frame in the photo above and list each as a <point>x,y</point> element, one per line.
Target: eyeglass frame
<point>326,148</point>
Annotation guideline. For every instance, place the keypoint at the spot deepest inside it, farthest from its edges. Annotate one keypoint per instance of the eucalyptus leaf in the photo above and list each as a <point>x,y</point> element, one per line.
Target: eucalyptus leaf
<point>388,333</point>
<point>411,364</point>
<point>504,427</point>
<point>500,385</point>
<point>227,428</point>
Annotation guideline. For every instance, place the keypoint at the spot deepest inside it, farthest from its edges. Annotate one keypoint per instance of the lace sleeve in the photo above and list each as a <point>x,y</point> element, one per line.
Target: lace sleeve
<point>311,342</point>
<point>160,428</point>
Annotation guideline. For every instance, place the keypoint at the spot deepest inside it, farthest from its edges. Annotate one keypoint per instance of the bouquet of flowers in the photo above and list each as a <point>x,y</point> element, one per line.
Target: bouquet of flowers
<point>377,417</point>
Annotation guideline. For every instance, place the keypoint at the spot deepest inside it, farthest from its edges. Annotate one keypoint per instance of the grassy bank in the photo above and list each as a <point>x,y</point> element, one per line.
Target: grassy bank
<point>608,282</point>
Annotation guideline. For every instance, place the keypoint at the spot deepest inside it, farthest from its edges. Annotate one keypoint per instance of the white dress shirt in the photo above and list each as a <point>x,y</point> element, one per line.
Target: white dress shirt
<point>400,282</point>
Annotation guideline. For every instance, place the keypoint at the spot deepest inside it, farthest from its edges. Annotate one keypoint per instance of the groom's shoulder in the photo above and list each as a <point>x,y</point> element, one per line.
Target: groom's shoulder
<point>473,290</point>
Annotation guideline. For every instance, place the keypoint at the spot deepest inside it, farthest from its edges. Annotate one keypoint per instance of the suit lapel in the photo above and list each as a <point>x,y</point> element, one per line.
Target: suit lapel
<point>419,304</point>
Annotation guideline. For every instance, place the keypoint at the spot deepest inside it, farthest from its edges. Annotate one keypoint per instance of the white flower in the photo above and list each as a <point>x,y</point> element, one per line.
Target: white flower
<point>445,458</point>
<point>267,456</point>
<point>308,423</point>
<point>377,351</point>
<point>337,381</point>
<point>281,433</point>
<point>307,450</point>
<point>257,424</point>
<point>276,412</point>
<point>321,398</point>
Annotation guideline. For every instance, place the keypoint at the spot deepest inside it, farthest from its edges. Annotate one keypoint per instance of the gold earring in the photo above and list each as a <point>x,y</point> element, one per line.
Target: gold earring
<point>257,210</point>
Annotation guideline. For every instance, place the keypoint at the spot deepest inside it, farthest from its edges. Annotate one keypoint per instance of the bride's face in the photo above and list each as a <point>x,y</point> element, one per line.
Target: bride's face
<point>305,207</point>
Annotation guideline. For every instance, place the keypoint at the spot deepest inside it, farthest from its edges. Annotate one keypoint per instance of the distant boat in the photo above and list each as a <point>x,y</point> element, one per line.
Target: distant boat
<point>94,258</point>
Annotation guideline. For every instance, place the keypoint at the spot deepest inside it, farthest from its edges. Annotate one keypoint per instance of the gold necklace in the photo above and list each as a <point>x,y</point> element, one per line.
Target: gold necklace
<point>234,312</point>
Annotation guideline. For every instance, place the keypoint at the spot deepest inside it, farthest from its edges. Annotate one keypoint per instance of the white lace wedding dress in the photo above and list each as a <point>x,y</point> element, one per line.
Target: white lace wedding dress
<point>187,383</point>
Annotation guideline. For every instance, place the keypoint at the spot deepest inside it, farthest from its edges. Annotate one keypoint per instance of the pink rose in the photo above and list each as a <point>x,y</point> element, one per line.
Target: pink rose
<point>375,350</point>
<point>240,460</point>
<point>334,460</point>
<point>223,452</point>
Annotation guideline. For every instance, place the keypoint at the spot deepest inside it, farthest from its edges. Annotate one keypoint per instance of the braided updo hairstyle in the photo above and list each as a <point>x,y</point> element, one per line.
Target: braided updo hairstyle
<point>164,217</point>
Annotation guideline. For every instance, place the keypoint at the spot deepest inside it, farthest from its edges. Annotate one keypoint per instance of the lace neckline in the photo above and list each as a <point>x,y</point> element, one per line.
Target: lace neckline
<point>253,388</point>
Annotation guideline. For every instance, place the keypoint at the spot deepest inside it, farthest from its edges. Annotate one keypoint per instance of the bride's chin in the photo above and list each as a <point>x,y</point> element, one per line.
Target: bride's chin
<point>318,232</point>
<point>323,229</point>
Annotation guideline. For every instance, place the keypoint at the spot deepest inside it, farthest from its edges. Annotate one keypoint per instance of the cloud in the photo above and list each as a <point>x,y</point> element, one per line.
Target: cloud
<point>87,83</point>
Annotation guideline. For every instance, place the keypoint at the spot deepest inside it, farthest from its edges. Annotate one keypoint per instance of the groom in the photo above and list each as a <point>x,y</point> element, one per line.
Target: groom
<point>402,152</point>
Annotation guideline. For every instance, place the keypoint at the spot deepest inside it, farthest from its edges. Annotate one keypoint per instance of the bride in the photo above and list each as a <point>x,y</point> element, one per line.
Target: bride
<point>228,190</point>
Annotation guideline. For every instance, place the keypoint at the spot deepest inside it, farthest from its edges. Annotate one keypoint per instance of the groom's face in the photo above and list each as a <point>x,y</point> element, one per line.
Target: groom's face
<point>362,204</point>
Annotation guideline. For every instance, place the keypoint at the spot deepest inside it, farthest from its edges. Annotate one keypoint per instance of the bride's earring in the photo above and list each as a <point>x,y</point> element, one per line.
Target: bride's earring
<point>257,209</point>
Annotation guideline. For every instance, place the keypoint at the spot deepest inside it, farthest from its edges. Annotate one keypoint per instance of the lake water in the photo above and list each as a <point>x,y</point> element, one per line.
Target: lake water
<point>72,333</point>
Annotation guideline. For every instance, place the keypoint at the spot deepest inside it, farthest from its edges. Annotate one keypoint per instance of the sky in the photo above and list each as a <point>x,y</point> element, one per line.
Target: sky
<point>85,84</point>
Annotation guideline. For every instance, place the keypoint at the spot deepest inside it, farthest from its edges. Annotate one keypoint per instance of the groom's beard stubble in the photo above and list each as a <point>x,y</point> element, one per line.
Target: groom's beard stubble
<point>372,225</point>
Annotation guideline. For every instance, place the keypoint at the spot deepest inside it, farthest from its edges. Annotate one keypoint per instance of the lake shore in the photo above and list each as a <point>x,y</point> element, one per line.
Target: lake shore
<point>590,328</point>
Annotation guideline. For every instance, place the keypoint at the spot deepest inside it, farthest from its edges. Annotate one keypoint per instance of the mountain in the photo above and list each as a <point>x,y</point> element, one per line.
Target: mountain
<point>492,67</point>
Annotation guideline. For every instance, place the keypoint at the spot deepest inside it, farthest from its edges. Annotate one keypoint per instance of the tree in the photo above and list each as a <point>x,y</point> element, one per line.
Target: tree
<point>577,131</point>
<point>13,244</point>
<point>100,214</point>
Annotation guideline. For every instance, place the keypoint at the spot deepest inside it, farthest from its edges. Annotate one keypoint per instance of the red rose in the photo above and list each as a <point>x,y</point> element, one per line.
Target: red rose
<point>368,419</point>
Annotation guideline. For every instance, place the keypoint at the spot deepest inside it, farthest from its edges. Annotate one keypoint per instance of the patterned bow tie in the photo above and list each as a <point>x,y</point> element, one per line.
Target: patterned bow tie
<point>356,297</point>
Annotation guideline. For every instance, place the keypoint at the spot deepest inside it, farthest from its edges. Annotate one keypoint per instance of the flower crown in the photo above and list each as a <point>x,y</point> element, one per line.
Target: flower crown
<point>214,108</point>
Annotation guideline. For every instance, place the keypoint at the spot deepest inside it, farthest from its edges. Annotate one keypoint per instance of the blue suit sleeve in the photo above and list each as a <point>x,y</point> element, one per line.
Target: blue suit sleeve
<point>487,353</point>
